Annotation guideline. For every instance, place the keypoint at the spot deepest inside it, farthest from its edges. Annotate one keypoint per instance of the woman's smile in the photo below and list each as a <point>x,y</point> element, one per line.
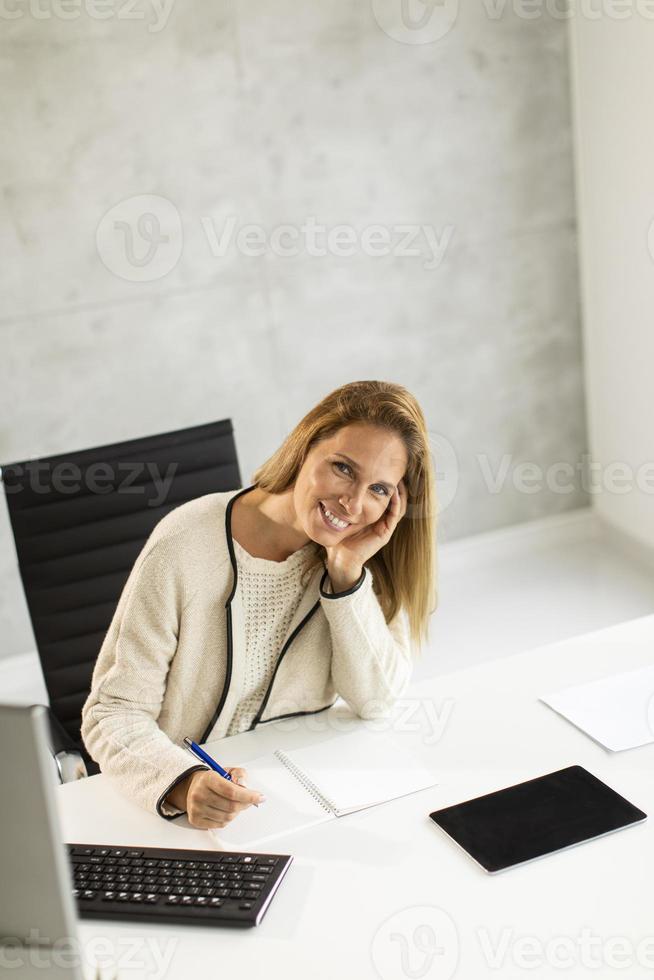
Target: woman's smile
<point>331,520</point>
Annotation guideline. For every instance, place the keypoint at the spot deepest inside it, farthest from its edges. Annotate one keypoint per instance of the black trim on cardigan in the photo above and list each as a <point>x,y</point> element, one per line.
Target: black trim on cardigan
<point>296,714</point>
<point>339,595</point>
<point>228,607</point>
<point>173,816</point>
<point>262,706</point>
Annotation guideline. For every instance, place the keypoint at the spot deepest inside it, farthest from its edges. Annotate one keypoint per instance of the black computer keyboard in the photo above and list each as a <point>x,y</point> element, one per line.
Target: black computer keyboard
<point>157,884</point>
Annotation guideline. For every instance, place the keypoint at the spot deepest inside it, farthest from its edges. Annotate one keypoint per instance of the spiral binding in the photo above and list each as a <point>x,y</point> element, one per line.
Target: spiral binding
<point>310,786</point>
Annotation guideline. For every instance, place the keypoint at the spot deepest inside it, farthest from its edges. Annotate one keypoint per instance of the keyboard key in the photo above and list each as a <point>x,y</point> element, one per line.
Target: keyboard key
<point>187,899</point>
<point>236,893</point>
<point>270,861</point>
<point>88,894</point>
<point>151,898</point>
<point>215,902</point>
<point>245,905</point>
<point>251,896</point>
<point>136,897</point>
<point>172,900</point>
<point>83,850</point>
<point>201,900</point>
<point>134,854</point>
<point>108,896</point>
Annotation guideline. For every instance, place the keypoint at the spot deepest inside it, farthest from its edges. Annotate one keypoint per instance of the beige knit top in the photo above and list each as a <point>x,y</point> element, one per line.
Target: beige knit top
<point>272,591</point>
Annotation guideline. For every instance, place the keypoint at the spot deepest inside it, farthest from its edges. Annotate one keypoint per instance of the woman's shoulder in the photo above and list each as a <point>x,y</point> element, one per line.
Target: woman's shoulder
<point>197,525</point>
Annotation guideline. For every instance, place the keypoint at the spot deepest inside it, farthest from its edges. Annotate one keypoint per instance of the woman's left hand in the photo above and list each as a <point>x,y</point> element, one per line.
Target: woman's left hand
<point>345,560</point>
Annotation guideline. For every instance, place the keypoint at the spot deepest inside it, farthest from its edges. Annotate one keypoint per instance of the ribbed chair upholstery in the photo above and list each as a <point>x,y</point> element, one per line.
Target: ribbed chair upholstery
<point>79,521</point>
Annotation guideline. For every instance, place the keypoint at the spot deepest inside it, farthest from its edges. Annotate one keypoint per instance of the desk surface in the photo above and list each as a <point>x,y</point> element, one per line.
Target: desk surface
<point>383,893</point>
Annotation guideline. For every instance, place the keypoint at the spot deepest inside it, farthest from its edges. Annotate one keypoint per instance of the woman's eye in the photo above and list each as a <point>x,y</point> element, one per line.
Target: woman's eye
<point>379,490</point>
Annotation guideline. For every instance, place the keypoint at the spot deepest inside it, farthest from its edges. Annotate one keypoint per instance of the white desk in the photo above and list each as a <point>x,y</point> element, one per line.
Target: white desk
<point>361,886</point>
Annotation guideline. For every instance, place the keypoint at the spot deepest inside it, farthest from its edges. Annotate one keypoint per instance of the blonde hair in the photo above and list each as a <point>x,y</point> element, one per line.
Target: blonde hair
<point>404,570</point>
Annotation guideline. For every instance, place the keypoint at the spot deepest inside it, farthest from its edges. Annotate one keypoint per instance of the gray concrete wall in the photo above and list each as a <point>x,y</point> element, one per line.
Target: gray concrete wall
<point>135,138</point>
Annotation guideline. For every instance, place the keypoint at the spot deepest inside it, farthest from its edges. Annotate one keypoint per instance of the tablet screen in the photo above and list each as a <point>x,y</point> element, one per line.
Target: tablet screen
<point>534,818</point>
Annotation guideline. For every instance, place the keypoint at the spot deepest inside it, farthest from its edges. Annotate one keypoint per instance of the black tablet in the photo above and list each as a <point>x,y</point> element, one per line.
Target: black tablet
<point>543,815</point>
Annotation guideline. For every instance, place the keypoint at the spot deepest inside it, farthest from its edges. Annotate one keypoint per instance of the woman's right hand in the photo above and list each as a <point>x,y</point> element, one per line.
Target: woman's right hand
<point>210,800</point>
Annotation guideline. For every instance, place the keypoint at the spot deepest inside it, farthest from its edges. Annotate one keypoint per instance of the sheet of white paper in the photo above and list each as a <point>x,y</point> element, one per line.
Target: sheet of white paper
<point>616,711</point>
<point>288,806</point>
<point>361,769</point>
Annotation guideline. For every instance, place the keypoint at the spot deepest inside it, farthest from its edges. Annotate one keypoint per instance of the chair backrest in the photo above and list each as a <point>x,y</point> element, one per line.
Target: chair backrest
<point>79,521</point>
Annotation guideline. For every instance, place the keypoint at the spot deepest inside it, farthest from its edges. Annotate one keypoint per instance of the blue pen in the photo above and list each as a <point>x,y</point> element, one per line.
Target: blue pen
<point>204,757</point>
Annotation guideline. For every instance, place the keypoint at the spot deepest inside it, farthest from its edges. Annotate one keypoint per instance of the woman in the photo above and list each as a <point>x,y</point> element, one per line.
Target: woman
<point>253,605</point>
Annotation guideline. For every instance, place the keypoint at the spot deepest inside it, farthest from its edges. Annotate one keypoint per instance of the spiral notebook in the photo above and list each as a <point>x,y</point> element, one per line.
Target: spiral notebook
<point>322,782</point>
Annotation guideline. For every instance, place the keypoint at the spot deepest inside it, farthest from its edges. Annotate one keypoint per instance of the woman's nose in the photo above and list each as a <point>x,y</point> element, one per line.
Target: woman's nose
<point>352,504</point>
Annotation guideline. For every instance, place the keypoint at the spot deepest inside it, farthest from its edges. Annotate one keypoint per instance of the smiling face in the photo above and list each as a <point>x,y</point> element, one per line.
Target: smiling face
<point>348,478</point>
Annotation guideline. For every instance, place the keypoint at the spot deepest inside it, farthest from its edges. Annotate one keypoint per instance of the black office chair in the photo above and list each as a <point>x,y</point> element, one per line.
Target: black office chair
<point>79,521</point>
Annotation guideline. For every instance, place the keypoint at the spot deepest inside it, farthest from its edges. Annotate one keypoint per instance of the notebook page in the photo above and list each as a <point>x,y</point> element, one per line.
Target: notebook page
<point>288,807</point>
<point>361,769</point>
<point>616,711</point>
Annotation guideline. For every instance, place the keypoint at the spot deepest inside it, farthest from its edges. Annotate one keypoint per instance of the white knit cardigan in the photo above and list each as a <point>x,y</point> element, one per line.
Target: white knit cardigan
<point>171,662</point>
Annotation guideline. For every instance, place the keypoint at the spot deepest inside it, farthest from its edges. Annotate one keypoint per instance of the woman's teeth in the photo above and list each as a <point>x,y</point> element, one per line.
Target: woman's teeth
<point>334,521</point>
